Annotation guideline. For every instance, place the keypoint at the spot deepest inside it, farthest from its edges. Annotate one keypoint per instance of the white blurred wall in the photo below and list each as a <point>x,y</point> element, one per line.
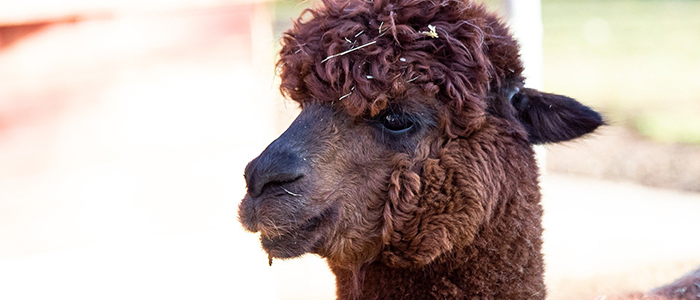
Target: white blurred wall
<point>123,140</point>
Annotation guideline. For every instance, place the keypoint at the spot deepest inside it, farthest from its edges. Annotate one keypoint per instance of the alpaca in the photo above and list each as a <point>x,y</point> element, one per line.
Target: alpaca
<point>410,167</point>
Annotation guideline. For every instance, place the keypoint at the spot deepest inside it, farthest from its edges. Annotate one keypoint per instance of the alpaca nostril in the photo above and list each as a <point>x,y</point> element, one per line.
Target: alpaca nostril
<point>272,169</point>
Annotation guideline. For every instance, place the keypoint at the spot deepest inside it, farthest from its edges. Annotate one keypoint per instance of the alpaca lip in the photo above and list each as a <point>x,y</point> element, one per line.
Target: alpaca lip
<point>308,226</point>
<point>262,213</point>
<point>296,242</point>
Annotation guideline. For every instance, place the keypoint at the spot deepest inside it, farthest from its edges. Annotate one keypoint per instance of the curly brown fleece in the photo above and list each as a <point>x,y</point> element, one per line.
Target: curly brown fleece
<point>474,56</point>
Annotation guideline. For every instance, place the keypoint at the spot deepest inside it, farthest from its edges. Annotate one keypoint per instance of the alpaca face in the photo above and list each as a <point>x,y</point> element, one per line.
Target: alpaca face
<point>415,130</point>
<point>322,186</point>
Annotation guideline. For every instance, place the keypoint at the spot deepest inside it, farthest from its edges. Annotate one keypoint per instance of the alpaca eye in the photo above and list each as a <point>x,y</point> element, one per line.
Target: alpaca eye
<point>396,123</point>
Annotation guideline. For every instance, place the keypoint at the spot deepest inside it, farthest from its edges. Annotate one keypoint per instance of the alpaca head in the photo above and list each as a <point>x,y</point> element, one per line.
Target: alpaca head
<point>415,126</point>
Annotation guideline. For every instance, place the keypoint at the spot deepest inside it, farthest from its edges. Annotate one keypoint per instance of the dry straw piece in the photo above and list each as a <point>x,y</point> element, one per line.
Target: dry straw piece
<point>348,51</point>
<point>432,33</point>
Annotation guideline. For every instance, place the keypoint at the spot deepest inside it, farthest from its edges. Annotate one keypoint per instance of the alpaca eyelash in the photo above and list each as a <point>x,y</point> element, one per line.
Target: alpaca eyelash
<point>401,123</point>
<point>397,123</point>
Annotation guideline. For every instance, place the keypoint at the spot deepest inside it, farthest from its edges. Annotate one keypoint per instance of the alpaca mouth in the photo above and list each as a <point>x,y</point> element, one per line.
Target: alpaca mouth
<point>302,239</point>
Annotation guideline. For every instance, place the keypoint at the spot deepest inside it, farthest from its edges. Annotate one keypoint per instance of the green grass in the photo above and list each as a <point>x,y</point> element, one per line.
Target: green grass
<point>636,60</point>
<point>639,61</point>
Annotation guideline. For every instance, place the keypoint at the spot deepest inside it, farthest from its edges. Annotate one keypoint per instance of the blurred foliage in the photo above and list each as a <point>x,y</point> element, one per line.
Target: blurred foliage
<point>638,61</point>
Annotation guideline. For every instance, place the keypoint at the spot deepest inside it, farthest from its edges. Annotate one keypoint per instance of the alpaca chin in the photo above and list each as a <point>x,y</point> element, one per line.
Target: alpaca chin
<point>289,246</point>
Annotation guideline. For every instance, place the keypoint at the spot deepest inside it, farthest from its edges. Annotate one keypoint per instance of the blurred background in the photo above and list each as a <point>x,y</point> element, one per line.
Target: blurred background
<point>125,127</point>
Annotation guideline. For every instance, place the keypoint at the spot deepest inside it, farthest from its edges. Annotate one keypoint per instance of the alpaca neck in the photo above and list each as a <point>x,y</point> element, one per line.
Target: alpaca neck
<point>501,263</point>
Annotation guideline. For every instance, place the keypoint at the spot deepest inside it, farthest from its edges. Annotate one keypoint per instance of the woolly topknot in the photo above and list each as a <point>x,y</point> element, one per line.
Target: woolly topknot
<point>365,55</point>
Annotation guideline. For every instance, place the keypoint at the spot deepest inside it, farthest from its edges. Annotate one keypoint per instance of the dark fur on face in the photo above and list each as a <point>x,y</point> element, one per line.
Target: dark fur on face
<point>412,154</point>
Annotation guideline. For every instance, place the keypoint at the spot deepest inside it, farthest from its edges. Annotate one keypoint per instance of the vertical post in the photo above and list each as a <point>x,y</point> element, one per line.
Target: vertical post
<point>525,20</point>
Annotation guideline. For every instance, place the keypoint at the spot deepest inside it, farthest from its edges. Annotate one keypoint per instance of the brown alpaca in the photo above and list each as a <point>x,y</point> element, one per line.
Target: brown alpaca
<point>410,168</point>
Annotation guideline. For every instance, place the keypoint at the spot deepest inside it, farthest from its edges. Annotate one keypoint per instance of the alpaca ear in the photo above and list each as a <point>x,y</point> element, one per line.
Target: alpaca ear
<point>550,118</point>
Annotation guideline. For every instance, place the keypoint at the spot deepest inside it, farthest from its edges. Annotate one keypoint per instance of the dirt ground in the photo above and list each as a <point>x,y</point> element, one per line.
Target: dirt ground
<point>617,153</point>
